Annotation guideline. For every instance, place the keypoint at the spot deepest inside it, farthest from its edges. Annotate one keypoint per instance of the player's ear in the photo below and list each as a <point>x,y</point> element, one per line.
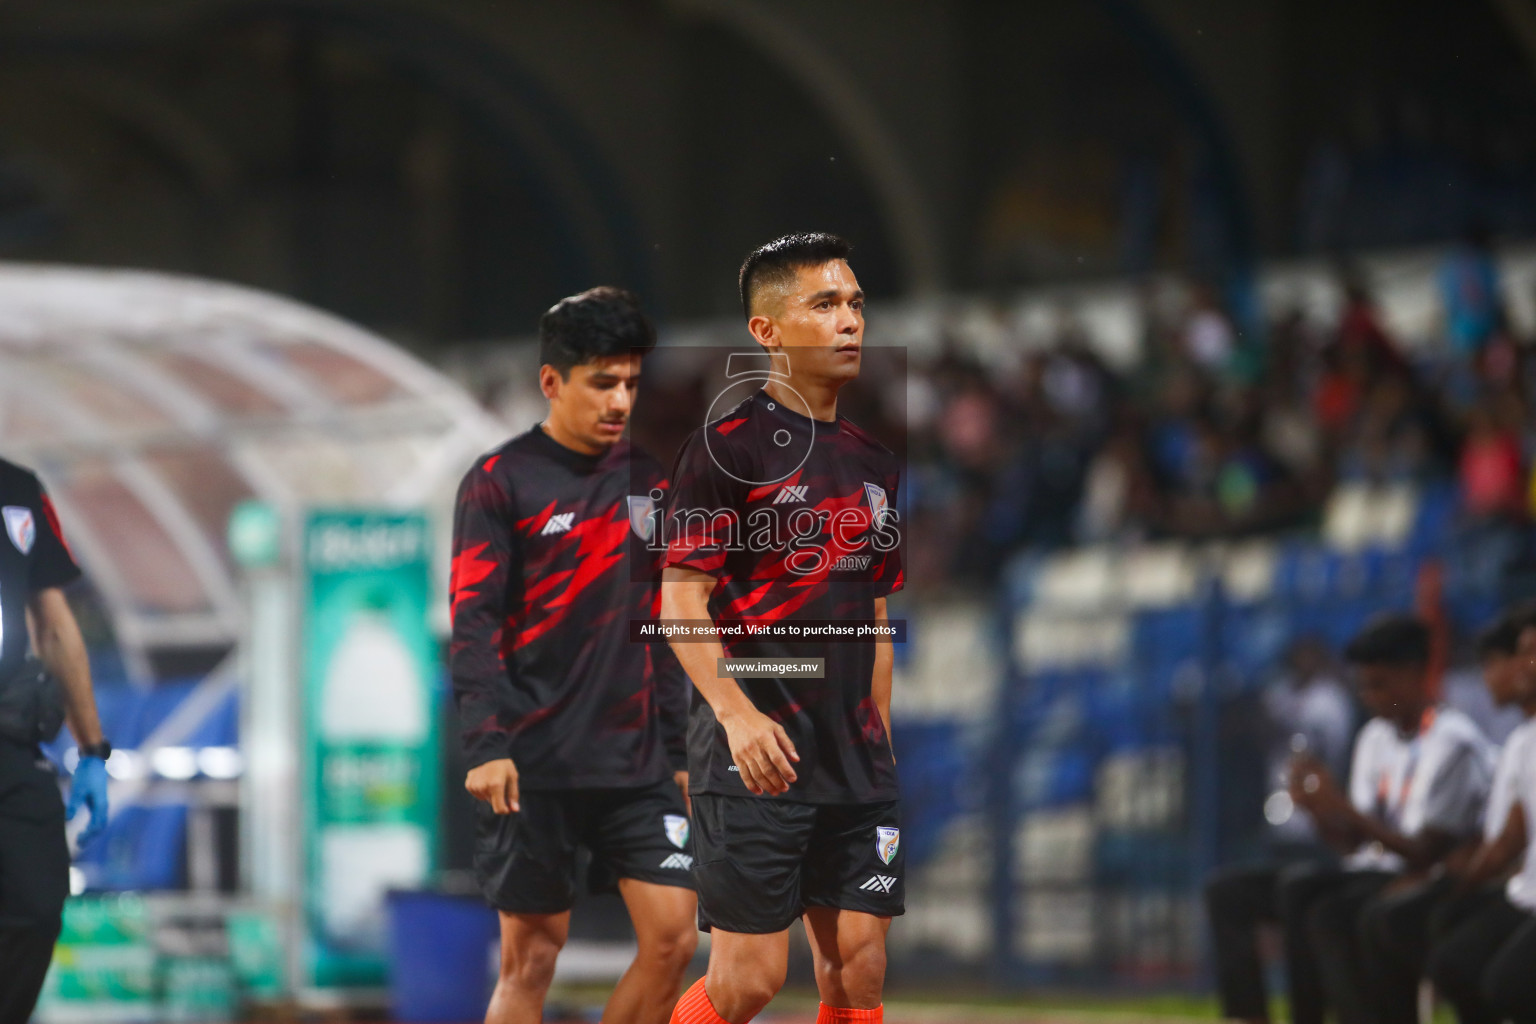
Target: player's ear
<point>549,381</point>
<point>764,330</point>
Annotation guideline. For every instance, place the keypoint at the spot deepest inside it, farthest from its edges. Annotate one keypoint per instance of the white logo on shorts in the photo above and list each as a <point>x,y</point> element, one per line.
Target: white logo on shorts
<point>879,883</point>
<point>681,861</point>
<point>677,829</point>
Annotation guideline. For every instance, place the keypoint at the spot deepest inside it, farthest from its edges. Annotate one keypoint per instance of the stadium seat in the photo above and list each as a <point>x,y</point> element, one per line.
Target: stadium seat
<point>1360,515</point>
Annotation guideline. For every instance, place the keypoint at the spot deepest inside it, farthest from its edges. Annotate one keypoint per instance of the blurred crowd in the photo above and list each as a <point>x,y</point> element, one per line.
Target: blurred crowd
<point>1214,434</point>
<point>1215,431</point>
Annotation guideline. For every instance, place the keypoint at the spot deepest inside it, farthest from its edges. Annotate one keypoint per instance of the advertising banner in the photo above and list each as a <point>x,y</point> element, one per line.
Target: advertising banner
<point>371,765</point>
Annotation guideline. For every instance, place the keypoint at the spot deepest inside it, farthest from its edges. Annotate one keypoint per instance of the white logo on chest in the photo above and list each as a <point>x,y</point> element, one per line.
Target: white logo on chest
<point>558,524</point>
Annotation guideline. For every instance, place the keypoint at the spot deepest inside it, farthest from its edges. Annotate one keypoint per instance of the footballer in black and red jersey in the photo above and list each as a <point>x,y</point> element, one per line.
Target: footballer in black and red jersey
<point>782,512</point>
<point>574,735</point>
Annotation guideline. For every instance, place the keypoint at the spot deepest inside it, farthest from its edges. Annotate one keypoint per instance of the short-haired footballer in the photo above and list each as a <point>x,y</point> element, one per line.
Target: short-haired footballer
<point>783,511</point>
<point>574,736</point>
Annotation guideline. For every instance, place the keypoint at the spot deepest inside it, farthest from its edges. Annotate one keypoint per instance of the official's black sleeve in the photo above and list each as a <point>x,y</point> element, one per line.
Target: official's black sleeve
<point>484,551</point>
<point>51,564</point>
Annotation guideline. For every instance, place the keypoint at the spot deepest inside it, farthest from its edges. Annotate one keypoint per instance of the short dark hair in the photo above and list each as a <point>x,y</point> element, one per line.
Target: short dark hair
<point>1499,639</point>
<point>1502,637</point>
<point>777,262</point>
<point>1390,640</point>
<point>599,322</point>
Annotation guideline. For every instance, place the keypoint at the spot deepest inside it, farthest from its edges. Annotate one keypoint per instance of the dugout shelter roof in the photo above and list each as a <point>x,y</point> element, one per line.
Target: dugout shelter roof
<point>153,404</point>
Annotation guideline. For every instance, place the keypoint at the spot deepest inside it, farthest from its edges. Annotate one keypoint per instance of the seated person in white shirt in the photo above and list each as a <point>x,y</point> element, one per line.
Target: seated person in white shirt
<point>1418,783</point>
<point>1486,965</point>
<point>1399,928</point>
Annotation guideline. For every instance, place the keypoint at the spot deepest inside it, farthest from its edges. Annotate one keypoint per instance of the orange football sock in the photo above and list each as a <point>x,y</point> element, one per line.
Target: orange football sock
<point>695,1008</point>
<point>844,1015</point>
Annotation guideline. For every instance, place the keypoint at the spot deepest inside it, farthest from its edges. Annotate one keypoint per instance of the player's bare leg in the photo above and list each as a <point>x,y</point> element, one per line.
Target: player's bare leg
<point>848,948</point>
<point>664,917</point>
<point>745,973</point>
<point>530,944</point>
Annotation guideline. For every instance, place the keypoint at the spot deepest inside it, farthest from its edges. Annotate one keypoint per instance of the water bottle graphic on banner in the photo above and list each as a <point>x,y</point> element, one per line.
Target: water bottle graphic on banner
<point>372,718</point>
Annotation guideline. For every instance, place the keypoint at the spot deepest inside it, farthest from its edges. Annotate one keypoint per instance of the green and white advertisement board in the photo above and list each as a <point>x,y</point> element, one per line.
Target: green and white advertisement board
<point>105,968</point>
<point>370,766</point>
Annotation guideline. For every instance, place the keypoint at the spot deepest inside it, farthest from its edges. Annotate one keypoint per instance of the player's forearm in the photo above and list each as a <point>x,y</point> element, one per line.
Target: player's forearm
<point>1495,858</point>
<point>700,659</point>
<point>1420,851</point>
<point>480,685</point>
<point>62,650</point>
<point>1338,833</point>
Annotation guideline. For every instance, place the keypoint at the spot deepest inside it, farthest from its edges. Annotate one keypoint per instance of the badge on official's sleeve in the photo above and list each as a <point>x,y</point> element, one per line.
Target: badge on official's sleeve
<point>642,516</point>
<point>677,829</point>
<point>21,527</point>
<point>879,504</point>
<point>887,840</point>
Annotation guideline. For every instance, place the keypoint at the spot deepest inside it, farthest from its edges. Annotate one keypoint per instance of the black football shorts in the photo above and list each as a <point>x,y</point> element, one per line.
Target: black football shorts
<point>764,860</point>
<point>526,862</point>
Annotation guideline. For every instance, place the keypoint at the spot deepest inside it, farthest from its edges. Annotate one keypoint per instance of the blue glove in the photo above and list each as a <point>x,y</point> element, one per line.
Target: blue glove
<point>89,789</point>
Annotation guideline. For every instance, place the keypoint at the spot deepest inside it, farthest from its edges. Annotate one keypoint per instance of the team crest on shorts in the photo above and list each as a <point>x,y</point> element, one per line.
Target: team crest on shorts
<point>20,527</point>
<point>642,516</point>
<point>677,829</point>
<point>879,503</point>
<point>887,840</point>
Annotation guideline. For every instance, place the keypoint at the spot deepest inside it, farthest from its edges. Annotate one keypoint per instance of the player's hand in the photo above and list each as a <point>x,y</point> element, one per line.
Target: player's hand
<point>89,790</point>
<point>762,752</point>
<point>681,778</point>
<point>495,782</point>
<point>1311,783</point>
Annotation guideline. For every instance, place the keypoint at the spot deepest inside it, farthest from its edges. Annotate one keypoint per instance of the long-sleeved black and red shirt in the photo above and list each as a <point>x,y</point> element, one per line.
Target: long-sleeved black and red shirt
<point>795,520</point>
<point>549,567</point>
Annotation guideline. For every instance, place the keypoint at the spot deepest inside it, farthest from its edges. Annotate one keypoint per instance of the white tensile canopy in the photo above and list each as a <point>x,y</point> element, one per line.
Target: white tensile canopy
<point>152,405</point>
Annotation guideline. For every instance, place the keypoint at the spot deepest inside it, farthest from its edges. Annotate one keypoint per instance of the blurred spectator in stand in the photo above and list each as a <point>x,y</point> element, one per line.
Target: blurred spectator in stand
<point>1341,388</point>
<point>1119,499</point>
<point>1360,327</point>
<point>1160,350</point>
<point>1281,401</point>
<point>1389,440</point>
<point>1469,293</point>
<point>1234,486</point>
<point>970,436</point>
<point>1174,431</point>
<point>1492,482</point>
<point>1208,336</point>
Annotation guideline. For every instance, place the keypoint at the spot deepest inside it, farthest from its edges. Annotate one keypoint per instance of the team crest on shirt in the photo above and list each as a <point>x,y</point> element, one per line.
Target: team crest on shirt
<point>879,504</point>
<point>21,527</point>
<point>642,516</point>
<point>887,840</point>
<point>677,829</point>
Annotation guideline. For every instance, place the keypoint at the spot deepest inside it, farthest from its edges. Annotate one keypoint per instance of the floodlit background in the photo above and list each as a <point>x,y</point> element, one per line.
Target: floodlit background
<point>1217,321</point>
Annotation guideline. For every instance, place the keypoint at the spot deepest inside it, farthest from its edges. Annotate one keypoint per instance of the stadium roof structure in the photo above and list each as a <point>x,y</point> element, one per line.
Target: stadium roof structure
<point>152,405</point>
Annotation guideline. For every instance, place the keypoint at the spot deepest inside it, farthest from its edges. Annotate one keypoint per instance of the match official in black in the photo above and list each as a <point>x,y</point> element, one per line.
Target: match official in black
<point>37,695</point>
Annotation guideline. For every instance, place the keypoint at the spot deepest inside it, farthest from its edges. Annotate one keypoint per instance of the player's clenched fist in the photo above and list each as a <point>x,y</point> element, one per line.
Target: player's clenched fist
<point>495,782</point>
<point>761,751</point>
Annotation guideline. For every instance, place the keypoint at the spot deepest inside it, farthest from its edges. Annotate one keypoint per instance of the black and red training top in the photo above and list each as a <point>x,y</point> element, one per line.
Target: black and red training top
<point>796,520</point>
<point>550,564</point>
